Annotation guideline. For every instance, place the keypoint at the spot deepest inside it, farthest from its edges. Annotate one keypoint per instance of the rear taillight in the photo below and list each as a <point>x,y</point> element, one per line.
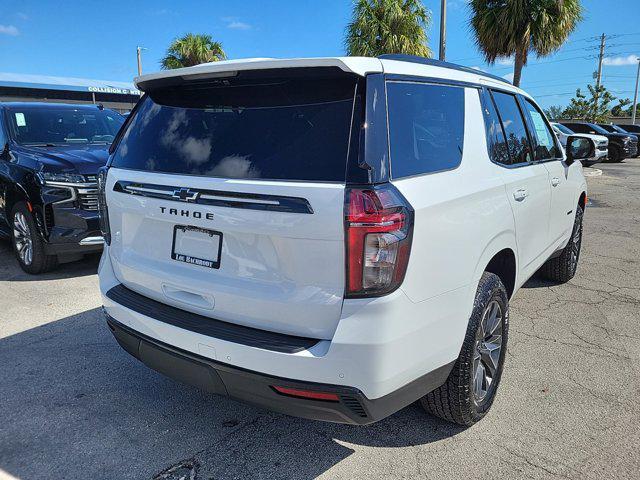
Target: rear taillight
<point>378,231</point>
<point>103,212</point>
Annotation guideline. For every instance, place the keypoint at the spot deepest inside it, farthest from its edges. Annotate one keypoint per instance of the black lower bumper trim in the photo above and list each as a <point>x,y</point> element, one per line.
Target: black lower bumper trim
<point>253,337</point>
<point>256,388</point>
<point>71,248</point>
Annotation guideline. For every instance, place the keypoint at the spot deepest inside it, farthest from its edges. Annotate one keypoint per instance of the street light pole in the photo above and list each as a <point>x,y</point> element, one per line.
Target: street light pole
<point>635,96</point>
<point>138,54</point>
<point>599,74</point>
<point>443,29</point>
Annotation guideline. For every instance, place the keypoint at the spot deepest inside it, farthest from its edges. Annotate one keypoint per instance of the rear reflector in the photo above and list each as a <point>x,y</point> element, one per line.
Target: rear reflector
<point>309,394</point>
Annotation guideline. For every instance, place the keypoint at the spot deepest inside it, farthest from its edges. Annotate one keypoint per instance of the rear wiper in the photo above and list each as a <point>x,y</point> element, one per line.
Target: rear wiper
<point>43,145</point>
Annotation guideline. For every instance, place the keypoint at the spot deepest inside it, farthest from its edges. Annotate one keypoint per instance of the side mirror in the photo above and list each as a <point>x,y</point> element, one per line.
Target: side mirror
<point>579,148</point>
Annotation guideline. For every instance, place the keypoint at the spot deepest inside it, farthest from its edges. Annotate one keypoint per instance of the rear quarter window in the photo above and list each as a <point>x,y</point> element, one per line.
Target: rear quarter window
<point>426,127</point>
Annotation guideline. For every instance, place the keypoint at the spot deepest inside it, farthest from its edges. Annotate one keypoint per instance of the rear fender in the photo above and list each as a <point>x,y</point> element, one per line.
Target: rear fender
<point>503,240</point>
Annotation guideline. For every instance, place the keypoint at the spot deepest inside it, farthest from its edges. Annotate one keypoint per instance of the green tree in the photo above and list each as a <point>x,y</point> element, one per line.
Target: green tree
<point>505,28</point>
<point>619,110</point>
<point>192,49</point>
<point>388,26</point>
<point>585,108</point>
<point>554,112</point>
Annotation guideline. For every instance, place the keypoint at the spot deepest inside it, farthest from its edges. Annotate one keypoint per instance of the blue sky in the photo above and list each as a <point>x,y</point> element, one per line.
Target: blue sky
<point>98,39</point>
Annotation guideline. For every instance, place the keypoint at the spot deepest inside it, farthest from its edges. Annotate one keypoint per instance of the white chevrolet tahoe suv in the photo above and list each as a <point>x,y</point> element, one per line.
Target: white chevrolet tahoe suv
<point>334,238</point>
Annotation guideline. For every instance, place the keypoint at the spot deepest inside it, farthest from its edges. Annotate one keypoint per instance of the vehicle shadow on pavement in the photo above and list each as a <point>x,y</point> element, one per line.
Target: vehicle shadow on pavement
<point>10,270</point>
<point>75,405</point>
<point>537,281</point>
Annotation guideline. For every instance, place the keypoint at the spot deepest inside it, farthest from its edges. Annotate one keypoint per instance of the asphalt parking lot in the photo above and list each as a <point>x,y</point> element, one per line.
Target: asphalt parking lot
<point>74,405</point>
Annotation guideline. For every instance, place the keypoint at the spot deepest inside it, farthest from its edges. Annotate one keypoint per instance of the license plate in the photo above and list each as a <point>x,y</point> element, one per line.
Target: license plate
<point>197,246</point>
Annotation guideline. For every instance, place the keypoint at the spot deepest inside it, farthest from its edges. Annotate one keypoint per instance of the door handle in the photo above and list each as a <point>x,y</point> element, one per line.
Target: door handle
<point>555,181</point>
<point>520,194</point>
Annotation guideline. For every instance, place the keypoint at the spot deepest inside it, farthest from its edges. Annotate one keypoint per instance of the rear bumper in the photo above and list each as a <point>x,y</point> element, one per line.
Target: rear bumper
<point>257,388</point>
<point>381,345</point>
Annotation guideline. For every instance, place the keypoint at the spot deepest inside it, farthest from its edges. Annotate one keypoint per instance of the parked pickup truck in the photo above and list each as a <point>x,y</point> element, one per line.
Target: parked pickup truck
<point>334,238</point>
<point>621,145</point>
<point>50,154</point>
<point>601,142</point>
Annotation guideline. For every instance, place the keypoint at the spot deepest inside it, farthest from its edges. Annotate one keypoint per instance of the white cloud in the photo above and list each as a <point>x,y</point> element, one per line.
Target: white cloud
<point>620,61</point>
<point>477,67</point>
<point>235,25</point>
<point>505,61</point>
<point>508,76</point>
<point>9,30</point>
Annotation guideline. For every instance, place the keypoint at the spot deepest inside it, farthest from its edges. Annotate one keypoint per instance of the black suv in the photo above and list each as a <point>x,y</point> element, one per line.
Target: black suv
<point>49,158</point>
<point>621,145</point>
<point>635,129</point>
<point>611,128</point>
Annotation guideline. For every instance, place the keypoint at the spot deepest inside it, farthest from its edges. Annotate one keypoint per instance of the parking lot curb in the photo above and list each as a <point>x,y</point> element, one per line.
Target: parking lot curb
<point>592,172</point>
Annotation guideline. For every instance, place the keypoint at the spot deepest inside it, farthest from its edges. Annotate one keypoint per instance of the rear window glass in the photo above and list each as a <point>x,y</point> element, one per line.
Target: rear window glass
<point>496,141</point>
<point>281,129</point>
<point>426,127</point>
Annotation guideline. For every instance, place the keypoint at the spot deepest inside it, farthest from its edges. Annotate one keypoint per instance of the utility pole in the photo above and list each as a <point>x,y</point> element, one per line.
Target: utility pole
<point>443,28</point>
<point>138,54</point>
<point>599,75</point>
<point>635,96</point>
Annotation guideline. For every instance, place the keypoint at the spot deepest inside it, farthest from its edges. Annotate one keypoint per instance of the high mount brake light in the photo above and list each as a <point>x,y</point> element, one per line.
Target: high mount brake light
<point>378,232</point>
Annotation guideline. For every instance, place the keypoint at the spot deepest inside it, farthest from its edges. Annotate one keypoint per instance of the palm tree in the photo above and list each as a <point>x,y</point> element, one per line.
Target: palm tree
<point>505,28</point>
<point>388,26</point>
<point>192,49</point>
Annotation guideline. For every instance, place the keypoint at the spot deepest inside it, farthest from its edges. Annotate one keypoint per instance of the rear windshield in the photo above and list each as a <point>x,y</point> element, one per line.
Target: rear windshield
<point>280,129</point>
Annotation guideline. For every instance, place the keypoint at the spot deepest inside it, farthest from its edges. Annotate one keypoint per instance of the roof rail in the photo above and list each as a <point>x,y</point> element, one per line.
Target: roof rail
<point>439,63</point>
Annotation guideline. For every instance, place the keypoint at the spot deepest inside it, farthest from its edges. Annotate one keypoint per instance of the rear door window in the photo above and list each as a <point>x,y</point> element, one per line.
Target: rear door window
<point>514,127</point>
<point>275,128</point>
<point>426,127</point>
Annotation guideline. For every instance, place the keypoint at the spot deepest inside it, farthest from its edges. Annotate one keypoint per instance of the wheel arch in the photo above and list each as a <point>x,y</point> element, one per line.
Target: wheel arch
<point>582,200</point>
<point>13,194</point>
<point>503,264</point>
<point>500,257</point>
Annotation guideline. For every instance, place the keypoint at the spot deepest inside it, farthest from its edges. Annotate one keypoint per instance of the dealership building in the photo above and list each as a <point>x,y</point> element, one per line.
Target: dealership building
<point>120,96</point>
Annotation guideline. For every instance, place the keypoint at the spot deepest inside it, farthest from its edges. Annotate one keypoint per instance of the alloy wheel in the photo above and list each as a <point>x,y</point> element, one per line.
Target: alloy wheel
<point>22,238</point>
<point>576,239</point>
<point>488,348</point>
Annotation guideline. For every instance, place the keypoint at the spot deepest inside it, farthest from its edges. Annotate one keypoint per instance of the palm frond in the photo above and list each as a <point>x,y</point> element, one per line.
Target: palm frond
<point>388,26</point>
<point>505,28</point>
<point>192,49</point>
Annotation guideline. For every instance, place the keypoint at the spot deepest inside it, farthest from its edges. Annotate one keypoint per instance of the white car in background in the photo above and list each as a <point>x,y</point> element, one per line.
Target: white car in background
<point>601,142</point>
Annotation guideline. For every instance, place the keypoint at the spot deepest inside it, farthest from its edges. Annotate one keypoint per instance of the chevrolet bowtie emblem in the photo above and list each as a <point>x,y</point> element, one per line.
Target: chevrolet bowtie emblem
<point>185,194</point>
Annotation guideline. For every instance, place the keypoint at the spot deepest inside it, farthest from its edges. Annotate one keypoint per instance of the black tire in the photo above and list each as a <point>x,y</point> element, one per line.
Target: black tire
<point>457,400</point>
<point>563,267</point>
<point>38,261</point>
<point>615,154</point>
